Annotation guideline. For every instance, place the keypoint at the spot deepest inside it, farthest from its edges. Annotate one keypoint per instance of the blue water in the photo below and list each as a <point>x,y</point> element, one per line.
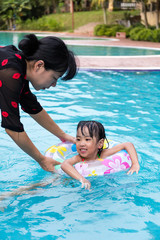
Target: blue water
<point>118,206</point>
<point>111,51</point>
<point>13,38</point>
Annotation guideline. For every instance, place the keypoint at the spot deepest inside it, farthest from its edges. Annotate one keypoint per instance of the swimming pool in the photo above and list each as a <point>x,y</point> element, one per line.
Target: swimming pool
<point>118,206</point>
<point>85,50</point>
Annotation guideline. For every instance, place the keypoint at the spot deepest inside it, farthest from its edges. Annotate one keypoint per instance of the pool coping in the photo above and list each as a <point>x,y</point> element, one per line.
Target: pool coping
<point>120,69</point>
<point>121,62</point>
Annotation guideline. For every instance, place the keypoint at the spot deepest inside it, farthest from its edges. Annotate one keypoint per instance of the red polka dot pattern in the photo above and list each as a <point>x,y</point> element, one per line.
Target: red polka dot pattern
<point>14,104</point>
<point>16,75</point>
<point>5,114</point>
<point>19,56</point>
<point>4,62</point>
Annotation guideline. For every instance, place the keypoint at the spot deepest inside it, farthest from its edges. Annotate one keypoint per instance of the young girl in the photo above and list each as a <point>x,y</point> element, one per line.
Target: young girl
<point>89,143</point>
<point>41,63</point>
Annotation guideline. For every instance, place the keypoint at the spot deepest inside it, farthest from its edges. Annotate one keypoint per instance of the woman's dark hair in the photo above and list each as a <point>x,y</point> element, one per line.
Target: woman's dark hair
<point>95,129</point>
<point>53,51</point>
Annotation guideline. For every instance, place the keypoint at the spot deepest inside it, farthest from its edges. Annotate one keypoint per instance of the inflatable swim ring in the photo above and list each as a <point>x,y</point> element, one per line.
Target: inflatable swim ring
<point>115,163</point>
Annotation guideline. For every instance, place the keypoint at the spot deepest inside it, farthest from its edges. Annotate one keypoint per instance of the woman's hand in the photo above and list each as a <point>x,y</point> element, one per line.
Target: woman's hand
<point>48,163</point>
<point>134,168</point>
<point>85,183</point>
<point>69,138</point>
<point>24,142</point>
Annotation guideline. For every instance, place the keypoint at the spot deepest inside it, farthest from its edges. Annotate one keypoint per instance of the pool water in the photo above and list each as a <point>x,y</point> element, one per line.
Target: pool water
<point>76,38</point>
<point>82,50</point>
<point>118,206</point>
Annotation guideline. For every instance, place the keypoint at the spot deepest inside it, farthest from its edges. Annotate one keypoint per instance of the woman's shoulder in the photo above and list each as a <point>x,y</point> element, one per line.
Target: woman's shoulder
<point>8,50</point>
<point>11,57</point>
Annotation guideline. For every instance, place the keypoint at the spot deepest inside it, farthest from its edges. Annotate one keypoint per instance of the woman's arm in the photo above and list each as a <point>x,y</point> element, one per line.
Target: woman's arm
<point>129,147</point>
<point>67,167</point>
<point>46,121</point>
<point>24,142</point>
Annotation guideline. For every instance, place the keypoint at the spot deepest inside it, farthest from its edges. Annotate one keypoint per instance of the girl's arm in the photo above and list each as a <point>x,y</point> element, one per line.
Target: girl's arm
<point>129,147</point>
<point>30,189</point>
<point>47,122</point>
<point>24,142</point>
<point>67,167</point>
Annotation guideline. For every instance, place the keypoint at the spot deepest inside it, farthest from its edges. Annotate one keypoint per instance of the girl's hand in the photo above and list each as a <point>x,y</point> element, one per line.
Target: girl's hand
<point>48,163</point>
<point>85,183</point>
<point>135,168</point>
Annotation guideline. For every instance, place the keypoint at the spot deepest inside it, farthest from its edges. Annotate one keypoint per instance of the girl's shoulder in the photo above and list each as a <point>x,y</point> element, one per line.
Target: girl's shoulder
<point>75,159</point>
<point>103,153</point>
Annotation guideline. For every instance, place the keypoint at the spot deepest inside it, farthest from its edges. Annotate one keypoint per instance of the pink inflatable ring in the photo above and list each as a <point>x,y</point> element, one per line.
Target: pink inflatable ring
<point>115,163</point>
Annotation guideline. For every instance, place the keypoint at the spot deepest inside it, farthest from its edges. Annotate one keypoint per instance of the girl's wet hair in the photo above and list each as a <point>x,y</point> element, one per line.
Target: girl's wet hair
<point>53,51</point>
<point>95,129</point>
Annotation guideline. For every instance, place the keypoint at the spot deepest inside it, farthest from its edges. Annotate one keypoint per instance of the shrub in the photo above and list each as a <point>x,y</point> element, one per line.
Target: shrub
<point>156,35</point>
<point>145,35</point>
<point>108,30</point>
<point>138,33</point>
<point>133,33</point>
<point>117,28</point>
<point>100,29</point>
<point>42,24</point>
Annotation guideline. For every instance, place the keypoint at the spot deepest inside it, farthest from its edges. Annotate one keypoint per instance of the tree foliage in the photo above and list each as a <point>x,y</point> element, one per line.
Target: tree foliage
<point>12,10</point>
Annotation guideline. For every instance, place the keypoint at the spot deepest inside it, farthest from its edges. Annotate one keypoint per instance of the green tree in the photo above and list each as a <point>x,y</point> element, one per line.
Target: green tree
<point>12,10</point>
<point>49,5</point>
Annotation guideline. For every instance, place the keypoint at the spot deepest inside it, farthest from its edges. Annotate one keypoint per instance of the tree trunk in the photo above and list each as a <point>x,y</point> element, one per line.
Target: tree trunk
<point>157,13</point>
<point>104,12</point>
<point>10,24</point>
<point>47,10</point>
<point>72,12</point>
<point>54,6</point>
<point>145,14</point>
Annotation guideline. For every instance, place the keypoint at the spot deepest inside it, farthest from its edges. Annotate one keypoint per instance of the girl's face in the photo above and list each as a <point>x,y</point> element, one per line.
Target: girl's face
<point>87,147</point>
<point>40,77</point>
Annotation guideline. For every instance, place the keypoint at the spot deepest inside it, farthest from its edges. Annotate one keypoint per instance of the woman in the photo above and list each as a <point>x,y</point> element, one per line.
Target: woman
<point>40,62</point>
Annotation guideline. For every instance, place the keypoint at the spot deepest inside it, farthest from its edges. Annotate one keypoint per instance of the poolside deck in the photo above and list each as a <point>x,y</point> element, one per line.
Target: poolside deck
<point>118,62</point>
